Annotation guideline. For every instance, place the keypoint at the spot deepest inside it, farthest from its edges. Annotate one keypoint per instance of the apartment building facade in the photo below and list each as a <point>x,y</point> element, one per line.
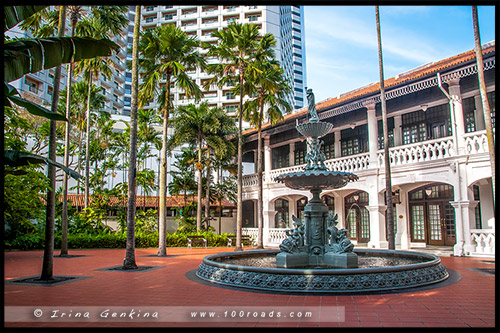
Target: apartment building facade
<point>284,22</point>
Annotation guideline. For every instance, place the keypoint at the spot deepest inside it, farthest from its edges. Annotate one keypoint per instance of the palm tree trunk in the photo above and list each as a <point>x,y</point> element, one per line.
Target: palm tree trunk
<point>200,185</point>
<point>239,202</point>
<point>260,194</point>
<point>129,262</point>
<point>162,227</point>
<point>484,98</point>
<point>388,184</point>
<point>87,147</point>
<point>64,217</point>
<point>207,192</point>
<point>48,251</point>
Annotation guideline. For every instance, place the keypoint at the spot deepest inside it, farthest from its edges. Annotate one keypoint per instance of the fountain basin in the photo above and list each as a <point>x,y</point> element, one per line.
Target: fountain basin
<point>397,270</point>
<point>314,129</point>
<point>316,179</point>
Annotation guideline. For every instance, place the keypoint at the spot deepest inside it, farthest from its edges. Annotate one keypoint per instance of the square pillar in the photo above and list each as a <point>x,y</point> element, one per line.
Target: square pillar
<point>267,160</point>
<point>457,113</point>
<point>372,134</point>
<point>337,144</point>
<point>378,239</point>
<point>479,113</point>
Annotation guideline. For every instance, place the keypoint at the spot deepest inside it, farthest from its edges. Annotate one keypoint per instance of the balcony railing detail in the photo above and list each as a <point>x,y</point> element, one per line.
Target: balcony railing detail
<point>483,240</point>
<point>476,142</point>
<point>419,152</point>
<point>349,163</point>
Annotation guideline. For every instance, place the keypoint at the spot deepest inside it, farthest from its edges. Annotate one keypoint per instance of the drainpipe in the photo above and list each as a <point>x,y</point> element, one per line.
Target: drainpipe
<point>458,203</point>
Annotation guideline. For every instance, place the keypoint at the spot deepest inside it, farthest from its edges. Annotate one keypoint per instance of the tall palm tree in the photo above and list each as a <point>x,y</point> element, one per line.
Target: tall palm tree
<point>48,253</point>
<point>75,13</point>
<point>388,183</point>
<point>236,48</point>
<point>129,262</point>
<point>484,98</point>
<point>194,124</point>
<point>271,90</point>
<point>219,147</point>
<point>104,21</point>
<point>166,53</point>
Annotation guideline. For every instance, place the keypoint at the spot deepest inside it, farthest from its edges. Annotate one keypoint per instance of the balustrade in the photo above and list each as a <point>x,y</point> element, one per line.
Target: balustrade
<point>476,142</point>
<point>419,152</point>
<point>483,240</point>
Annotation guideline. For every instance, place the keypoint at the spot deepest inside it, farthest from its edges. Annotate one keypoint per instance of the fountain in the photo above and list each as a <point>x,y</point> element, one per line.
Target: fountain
<point>316,256</point>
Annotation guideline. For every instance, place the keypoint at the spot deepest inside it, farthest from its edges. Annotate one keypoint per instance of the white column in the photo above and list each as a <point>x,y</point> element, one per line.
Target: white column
<point>372,134</point>
<point>398,138</point>
<point>291,154</point>
<point>459,126</point>
<point>479,113</point>
<point>267,160</point>
<point>337,145</point>
<point>377,227</point>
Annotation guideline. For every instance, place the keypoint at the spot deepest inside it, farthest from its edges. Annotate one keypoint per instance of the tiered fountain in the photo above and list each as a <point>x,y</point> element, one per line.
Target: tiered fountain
<point>317,256</point>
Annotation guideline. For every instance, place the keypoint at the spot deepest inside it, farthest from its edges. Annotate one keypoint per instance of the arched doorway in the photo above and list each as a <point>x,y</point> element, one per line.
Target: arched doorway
<point>301,204</point>
<point>357,217</point>
<point>432,217</point>
<point>330,202</point>
<point>248,214</point>
<point>282,218</point>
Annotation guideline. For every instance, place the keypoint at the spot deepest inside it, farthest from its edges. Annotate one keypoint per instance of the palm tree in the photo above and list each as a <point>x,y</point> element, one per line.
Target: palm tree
<point>129,262</point>
<point>103,22</point>
<point>484,98</point>
<point>388,183</point>
<point>271,90</point>
<point>166,54</point>
<point>30,56</point>
<point>219,147</point>
<point>48,253</point>
<point>75,13</point>
<point>236,48</point>
<point>194,124</point>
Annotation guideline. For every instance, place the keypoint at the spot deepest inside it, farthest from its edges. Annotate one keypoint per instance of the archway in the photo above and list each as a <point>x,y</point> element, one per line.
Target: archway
<point>282,217</point>
<point>432,217</point>
<point>357,217</point>
<point>249,214</point>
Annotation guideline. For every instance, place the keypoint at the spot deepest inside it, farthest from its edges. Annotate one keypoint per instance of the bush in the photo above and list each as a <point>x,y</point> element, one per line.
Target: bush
<point>116,240</point>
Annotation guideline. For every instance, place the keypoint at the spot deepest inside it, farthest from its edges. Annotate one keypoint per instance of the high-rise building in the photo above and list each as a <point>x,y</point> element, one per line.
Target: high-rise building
<point>38,86</point>
<point>284,22</point>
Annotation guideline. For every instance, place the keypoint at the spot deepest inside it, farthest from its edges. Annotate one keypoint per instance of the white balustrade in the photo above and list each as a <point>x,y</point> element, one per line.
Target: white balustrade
<point>419,152</point>
<point>250,180</point>
<point>252,232</point>
<point>276,236</point>
<point>349,163</point>
<point>476,142</point>
<point>483,240</point>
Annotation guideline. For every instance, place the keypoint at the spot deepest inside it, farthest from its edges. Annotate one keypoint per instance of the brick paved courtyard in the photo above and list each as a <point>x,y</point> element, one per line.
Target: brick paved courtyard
<point>466,299</point>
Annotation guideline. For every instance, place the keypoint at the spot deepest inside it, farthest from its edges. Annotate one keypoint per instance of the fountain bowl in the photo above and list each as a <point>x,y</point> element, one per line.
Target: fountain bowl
<point>316,130</point>
<point>399,270</point>
<point>316,179</point>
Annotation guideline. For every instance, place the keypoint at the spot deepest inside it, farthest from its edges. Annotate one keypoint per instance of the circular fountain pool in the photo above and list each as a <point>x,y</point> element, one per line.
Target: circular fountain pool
<point>378,270</point>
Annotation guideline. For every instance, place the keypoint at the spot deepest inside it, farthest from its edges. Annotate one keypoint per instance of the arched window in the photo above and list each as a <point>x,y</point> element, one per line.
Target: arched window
<point>281,219</point>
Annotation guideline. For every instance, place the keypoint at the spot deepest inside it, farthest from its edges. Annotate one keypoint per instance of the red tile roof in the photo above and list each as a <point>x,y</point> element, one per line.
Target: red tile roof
<point>374,87</point>
<point>151,201</point>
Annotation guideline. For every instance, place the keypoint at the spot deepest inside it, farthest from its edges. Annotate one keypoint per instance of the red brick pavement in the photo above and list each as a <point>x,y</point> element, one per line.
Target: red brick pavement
<point>470,302</point>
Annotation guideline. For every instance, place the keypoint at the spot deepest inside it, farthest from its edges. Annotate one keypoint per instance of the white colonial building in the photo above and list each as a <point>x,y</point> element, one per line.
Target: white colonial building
<point>441,174</point>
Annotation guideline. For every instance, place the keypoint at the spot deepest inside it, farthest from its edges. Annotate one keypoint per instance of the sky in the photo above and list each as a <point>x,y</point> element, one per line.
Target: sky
<point>341,41</point>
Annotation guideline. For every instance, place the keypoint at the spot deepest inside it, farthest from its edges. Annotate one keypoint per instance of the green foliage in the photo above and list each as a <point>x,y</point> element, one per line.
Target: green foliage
<point>115,240</point>
<point>88,221</point>
<point>23,201</point>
